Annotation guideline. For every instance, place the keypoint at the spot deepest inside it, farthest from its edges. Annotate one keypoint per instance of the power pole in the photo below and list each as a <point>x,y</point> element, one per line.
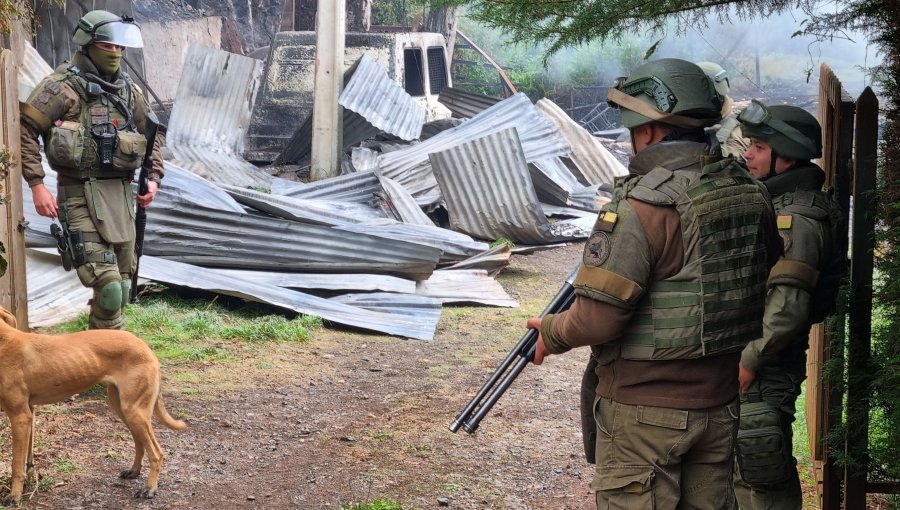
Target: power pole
<point>329,81</point>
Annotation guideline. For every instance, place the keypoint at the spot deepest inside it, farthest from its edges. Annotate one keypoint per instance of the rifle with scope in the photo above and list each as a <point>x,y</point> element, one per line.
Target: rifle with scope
<point>510,368</point>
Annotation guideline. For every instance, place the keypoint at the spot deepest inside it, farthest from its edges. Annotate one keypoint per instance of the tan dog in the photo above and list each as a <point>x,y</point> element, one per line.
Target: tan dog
<point>42,369</point>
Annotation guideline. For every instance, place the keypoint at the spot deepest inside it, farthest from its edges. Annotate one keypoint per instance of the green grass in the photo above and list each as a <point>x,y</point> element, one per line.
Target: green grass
<point>64,466</point>
<point>192,329</point>
<point>378,504</point>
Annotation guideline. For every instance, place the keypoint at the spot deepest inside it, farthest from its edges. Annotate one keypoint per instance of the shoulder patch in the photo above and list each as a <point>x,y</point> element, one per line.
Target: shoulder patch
<point>607,221</point>
<point>596,252</point>
<point>784,221</point>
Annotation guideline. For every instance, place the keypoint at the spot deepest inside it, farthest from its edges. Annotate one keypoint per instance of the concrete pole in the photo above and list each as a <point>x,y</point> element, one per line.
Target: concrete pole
<point>329,77</point>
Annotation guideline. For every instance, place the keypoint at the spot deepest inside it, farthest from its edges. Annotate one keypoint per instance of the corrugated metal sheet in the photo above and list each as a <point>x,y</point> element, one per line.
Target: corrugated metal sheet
<point>364,160</point>
<point>330,281</point>
<point>402,204</point>
<point>489,193</point>
<point>596,164</point>
<point>421,307</point>
<point>210,116</point>
<point>32,71</point>
<point>465,286</point>
<point>377,98</point>
<point>356,187</point>
<point>54,294</point>
<point>211,237</point>
<point>306,210</point>
<point>539,139</point>
<point>465,104</point>
<point>420,327</point>
<point>492,260</point>
<point>453,245</point>
<point>372,102</point>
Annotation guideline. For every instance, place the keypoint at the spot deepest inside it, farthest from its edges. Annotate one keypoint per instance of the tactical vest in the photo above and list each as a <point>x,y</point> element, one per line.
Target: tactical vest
<point>715,303</point>
<point>105,131</point>
<point>822,207</point>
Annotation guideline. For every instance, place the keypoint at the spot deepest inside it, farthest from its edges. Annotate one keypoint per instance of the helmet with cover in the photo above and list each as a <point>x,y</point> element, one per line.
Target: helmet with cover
<point>791,131</point>
<point>669,90</point>
<point>106,27</point>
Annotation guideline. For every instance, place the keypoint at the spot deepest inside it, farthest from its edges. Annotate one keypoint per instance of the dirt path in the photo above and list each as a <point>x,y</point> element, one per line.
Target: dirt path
<point>348,417</point>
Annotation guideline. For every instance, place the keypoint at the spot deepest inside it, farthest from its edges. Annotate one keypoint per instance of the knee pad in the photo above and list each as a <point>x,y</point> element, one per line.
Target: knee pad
<point>108,298</point>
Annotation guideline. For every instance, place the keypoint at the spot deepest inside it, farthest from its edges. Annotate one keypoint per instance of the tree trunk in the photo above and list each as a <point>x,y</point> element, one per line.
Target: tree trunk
<point>442,21</point>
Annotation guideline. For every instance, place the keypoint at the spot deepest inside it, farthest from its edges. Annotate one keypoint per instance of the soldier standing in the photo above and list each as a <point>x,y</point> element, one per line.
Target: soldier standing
<point>803,286</point>
<point>670,290</point>
<point>92,119</point>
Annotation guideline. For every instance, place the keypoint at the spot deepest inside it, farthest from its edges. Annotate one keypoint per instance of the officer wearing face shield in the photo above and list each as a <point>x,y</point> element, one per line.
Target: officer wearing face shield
<point>669,291</point>
<point>802,290</point>
<point>92,119</point>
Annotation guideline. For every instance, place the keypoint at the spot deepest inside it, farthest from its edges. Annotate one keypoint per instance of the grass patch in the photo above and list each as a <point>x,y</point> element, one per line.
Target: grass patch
<point>192,329</point>
<point>64,465</point>
<point>378,504</point>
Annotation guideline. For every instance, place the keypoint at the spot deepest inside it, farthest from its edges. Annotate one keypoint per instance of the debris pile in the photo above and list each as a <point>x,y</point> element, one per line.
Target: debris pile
<point>405,229</point>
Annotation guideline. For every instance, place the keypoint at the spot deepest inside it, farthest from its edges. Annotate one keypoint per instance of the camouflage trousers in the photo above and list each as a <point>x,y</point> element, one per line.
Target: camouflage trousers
<point>661,458</point>
<point>109,265</point>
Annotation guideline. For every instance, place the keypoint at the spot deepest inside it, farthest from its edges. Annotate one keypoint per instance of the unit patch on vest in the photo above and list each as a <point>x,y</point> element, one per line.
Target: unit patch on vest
<point>99,114</point>
<point>597,250</point>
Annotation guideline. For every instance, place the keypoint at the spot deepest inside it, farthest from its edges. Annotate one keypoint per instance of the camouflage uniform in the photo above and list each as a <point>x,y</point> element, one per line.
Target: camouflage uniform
<point>94,199</point>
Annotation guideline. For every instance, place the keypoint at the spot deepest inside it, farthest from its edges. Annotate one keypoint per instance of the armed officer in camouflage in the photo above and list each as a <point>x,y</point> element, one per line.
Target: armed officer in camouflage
<point>669,292</point>
<point>92,118</point>
<point>802,289</point>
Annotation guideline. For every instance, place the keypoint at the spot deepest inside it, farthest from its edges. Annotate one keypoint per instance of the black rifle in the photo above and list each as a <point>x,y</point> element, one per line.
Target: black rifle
<point>140,216</point>
<point>520,356</point>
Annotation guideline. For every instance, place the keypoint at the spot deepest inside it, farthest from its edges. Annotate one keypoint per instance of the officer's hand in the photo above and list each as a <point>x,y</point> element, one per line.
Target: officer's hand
<point>540,350</point>
<point>144,200</point>
<point>745,378</point>
<point>44,202</point>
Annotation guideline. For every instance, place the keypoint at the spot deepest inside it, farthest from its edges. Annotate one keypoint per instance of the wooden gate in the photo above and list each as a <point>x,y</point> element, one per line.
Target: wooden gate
<point>849,136</point>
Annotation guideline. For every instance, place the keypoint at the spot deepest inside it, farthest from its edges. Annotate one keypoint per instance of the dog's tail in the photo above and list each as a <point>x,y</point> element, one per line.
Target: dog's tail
<point>159,410</point>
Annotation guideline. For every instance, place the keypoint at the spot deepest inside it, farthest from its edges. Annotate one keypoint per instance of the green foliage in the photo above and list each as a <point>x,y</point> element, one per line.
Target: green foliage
<point>502,241</point>
<point>64,466</point>
<point>192,329</point>
<point>378,504</point>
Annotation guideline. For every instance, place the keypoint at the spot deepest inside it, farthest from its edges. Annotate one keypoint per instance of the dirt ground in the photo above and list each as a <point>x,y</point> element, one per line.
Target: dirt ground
<point>346,417</point>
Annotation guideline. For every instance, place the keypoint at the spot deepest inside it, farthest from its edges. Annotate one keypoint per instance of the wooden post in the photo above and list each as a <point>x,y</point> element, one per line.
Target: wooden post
<point>859,341</point>
<point>13,285</point>
<point>329,76</point>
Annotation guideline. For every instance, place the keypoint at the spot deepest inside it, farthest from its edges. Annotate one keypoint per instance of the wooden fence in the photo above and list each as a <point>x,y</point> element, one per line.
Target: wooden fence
<point>849,135</point>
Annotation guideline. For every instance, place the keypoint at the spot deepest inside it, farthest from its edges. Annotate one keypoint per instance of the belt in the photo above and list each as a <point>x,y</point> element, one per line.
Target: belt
<point>77,190</point>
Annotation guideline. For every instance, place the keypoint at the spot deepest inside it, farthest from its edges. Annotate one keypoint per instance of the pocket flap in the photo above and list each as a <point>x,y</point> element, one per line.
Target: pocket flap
<point>630,479</point>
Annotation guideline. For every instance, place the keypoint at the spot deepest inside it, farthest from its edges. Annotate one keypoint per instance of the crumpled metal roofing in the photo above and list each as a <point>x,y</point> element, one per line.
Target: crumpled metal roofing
<point>354,187</point>
<point>54,294</point>
<point>539,139</point>
<point>180,229</point>
<point>464,104</point>
<point>595,163</point>
<point>372,102</point>
<point>465,286</point>
<point>489,193</point>
<point>211,114</point>
<point>417,326</point>
<point>319,281</point>
<point>402,203</point>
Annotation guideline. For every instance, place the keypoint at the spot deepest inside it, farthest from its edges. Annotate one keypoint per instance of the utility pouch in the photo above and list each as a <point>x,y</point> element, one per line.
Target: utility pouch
<point>65,146</point>
<point>62,245</point>
<point>79,251</point>
<point>111,206</point>
<point>129,151</point>
<point>763,450</point>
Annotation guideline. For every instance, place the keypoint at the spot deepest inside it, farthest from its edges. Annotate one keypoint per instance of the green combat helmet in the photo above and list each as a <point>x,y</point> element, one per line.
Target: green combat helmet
<point>104,26</point>
<point>669,90</point>
<point>791,131</point>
